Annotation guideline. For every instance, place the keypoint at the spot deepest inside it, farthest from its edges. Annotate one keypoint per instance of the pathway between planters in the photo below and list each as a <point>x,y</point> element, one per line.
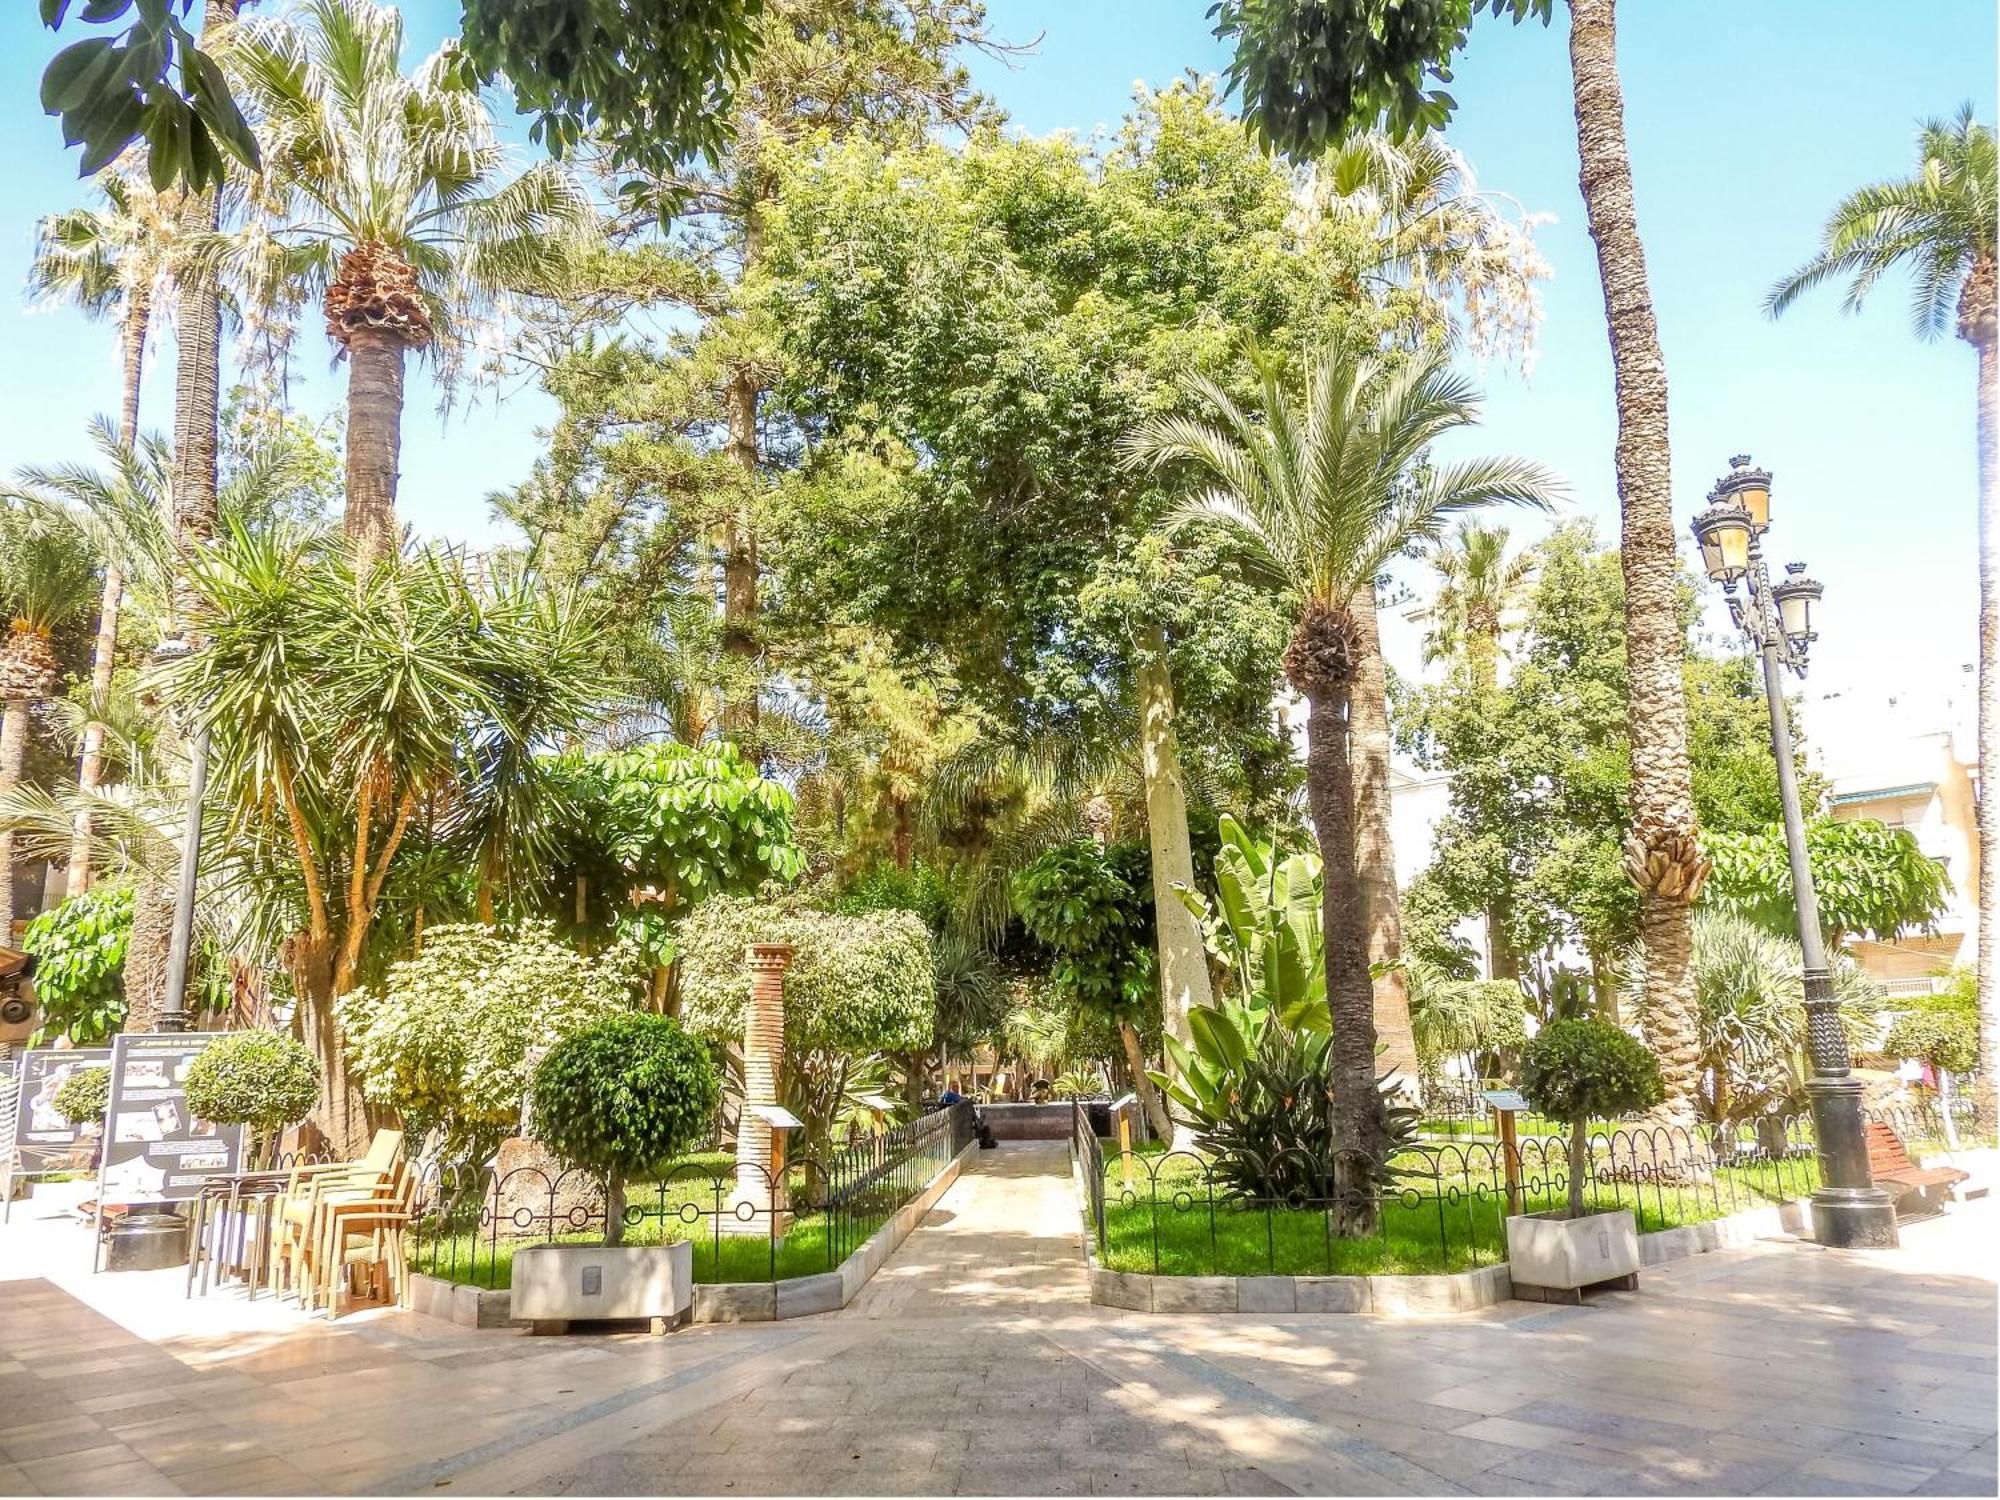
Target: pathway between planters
<point>973,1365</point>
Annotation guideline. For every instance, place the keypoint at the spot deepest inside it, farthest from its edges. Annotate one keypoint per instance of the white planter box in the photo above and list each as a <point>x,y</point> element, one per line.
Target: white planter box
<point>1558,1253</point>
<point>565,1283</point>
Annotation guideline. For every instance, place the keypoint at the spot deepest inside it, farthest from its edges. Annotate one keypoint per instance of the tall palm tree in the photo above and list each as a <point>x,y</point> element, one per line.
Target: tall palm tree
<point>1320,489</point>
<point>46,578</point>
<point>116,260</point>
<point>1940,223</point>
<point>389,198</point>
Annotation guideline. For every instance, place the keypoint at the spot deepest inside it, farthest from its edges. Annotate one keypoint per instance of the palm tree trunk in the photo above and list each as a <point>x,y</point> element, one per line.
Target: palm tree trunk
<point>13,755</point>
<point>1374,848</point>
<point>104,650</point>
<point>1149,1097</point>
<point>374,438</point>
<point>1357,1117</point>
<point>739,544</point>
<point>146,953</point>
<point>1183,958</point>
<point>342,1114</point>
<point>1977,320</point>
<point>1663,825</point>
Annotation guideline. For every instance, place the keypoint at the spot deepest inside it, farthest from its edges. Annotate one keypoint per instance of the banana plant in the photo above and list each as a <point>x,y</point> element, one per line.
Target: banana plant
<point>1266,927</point>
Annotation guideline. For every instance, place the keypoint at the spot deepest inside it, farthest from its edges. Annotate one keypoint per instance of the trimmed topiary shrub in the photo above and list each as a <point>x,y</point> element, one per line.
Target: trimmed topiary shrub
<point>84,1095</point>
<point>1581,1069</point>
<point>262,1079</point>
<point>621,1098</point>
<point>1946,1039</point>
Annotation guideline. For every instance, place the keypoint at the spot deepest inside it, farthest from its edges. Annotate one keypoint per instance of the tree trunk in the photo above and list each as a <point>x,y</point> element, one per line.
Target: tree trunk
<point>905,833</point>
<point>1579,1165</point>
<point>146,953</point>
<point>1662,794</point>
<point>342,1113</point>
<point>1183,959</point>
<point>1374,849</point>
<point>1977,324</point>
<point>90,770</point>
<point>739,534</point>
<point>13,754</point>
<point>1357,1114</point>
<point>1149,1097</point>
<point>614,1210</point>
<point>374,438</point>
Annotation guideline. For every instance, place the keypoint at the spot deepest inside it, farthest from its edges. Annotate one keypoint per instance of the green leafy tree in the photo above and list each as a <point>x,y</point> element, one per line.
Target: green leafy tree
<point>1320,491</point>
<point>344,707</point>
<point>1941,224</point>
<point>1091,906</point>
<point>445,1038</point>
<point>1581,1070</point>
<point>263,1079</point>
<point>79,949</point>
<point>390,201</point>
<point>622,1097</point>
<point>1872,881</point>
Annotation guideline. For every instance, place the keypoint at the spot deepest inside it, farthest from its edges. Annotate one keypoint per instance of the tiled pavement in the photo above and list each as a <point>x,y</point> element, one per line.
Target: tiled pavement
<point>974,1365</point>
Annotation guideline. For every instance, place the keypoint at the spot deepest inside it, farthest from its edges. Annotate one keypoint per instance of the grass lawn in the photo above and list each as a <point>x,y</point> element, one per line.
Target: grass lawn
<point>683,1206</point>
<point>1172,1225</point>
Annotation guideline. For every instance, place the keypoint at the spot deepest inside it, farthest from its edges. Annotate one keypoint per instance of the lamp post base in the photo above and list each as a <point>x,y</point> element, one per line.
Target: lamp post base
<point>1854,1219</point>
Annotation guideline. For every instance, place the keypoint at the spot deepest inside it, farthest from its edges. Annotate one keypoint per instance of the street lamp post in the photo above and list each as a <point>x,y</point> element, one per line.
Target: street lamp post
<point>1848,1210</point>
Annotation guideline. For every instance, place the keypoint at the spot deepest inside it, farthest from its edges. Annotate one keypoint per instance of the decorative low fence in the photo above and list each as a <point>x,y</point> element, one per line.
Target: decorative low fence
<point>468,1224</point>
<point>1432,1207</point>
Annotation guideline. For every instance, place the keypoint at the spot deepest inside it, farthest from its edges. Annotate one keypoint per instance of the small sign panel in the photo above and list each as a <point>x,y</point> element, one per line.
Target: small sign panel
<point>776,1116</point>
<point>1124,1103</point>
<point>1505,1099</point>
<point>881,1105</point>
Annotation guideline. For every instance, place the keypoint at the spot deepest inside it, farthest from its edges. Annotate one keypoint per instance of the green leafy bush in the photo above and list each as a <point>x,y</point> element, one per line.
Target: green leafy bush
<point>860,983</point>
<point>79,948</point>
<point>622,1097</point>
<point>262,1079</point>
<point>444,1039</point>
<point>84,1095</point>
<point>1093,908</point>
<point>1947,1039</point>
<point>1580,1069</point>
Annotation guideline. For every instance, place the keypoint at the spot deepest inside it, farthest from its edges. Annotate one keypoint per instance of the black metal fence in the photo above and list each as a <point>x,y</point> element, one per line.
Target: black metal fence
<point>469,1223</point>
<point>1433,1207</point>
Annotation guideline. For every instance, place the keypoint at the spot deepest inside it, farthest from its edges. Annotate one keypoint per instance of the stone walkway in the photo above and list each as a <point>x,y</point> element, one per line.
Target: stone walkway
<point>974,1365</point>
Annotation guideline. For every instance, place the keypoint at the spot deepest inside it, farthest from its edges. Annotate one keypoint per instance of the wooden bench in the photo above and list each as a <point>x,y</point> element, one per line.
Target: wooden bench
<point>1889,1163</point>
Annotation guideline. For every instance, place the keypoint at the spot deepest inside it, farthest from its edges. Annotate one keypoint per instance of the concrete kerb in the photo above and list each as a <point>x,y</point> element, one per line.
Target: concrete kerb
<point>723,1302</point>
<point>1459,1292</point>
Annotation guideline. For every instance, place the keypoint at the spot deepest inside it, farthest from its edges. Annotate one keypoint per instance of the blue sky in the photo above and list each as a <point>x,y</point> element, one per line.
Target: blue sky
<point>1746,123</point>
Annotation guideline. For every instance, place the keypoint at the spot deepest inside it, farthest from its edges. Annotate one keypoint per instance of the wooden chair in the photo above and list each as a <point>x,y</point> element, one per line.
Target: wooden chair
<point>296,1220</point>
<point>1889,1162</point>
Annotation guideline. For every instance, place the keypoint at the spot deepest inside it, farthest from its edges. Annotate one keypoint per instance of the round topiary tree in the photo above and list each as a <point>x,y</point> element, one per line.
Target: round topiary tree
<point>1578,1070</point>
<point>84,1095</point>
<point>1946,1039</point>
<point>262,1079</point>
<point>621,1098</point>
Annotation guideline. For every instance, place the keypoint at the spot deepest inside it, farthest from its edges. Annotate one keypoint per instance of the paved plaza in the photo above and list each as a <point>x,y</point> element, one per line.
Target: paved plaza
<point>974,1364</point>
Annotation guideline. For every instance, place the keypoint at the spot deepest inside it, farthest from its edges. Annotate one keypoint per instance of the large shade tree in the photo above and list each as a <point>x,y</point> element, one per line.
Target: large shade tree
<point>1940,224</point>
<point>1321,489</point>
<point>390,198</point>
<point>1313,75</point>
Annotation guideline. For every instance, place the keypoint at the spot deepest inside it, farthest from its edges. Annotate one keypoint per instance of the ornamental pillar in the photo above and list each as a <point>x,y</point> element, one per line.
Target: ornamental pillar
<point>759,1205</point>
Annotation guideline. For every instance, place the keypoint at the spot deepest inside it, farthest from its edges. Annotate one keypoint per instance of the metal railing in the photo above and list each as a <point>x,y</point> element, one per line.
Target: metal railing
<point>469,1223</point>
<point>1432,1207</point>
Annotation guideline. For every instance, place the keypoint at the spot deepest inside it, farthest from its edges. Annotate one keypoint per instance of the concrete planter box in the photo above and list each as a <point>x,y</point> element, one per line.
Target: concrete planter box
<point>591,1283</point>
<point>467,1306</point>
<point>1555,1253</point>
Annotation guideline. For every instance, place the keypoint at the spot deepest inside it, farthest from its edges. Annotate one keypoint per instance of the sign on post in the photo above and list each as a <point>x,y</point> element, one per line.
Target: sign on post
<point>43,1141</point>
<point>155,1150</point>
<point>1506,1104</point>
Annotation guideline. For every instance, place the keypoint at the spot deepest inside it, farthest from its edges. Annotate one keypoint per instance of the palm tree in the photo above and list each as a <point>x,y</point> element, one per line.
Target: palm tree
<point>46,577</point>
<point>389,199</point>
<point>1478,584</point>
<point>1320,490</point>
<point>117,260</point>
<point>1941,224</point>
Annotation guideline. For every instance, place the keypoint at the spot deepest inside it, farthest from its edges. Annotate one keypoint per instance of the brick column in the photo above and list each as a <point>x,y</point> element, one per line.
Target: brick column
<point>763,1045</point>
